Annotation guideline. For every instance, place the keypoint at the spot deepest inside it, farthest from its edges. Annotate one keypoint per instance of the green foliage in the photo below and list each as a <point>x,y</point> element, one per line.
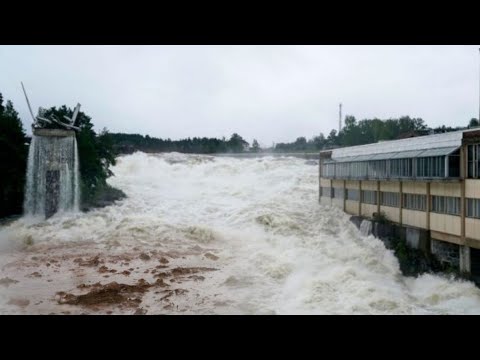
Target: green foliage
<point>358,133</point>
<point>380,217</point>
<point>255,147</point>
<point>354,133</point>
<point>129,143</point>
<point>13,160</point>
<point>236,144</point>
<point>473,123</point>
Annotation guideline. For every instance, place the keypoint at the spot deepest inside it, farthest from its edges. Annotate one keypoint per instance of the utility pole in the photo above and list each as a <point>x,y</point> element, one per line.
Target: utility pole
<point>340,116</point>
<point>479,89</point>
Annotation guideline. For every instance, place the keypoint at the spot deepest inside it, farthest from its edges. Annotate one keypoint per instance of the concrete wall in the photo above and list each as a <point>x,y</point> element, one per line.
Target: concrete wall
<point>445,189</point>
<point>392,213</point>
<point>473,243</point>
<point>368,209</point>
<point>337,183</point>
<point>415,187</point>
<point>390,186</point>
<point>53,132</point>
<point>325,183</point>
<point>472,228</point>
<point>351,207</point>
<point>472,189</point>
<point>369,185</point>
<point>414,218</point>
<point>352,184</point>
<point>448,224</point>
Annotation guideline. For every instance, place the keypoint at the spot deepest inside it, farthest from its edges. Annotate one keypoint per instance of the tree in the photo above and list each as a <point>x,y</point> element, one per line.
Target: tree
<point>319,142</point>
<point>350,121</point>
<point>332,138</point>
<point>236,143</point>
<point>255,146</point>
<point>2,108</point>
<point>13,160</point>
<point>473,123</point>
<point>300,143</point>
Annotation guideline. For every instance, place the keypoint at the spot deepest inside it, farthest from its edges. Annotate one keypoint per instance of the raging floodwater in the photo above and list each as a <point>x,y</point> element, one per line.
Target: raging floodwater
<point>208,235</point>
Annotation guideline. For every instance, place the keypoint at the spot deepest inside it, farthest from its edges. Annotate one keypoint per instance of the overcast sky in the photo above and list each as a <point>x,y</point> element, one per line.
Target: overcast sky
<point>271,93</point>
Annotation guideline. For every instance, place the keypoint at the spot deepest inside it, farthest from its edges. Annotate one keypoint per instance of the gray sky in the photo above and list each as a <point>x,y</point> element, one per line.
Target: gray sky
<point>271,93</point>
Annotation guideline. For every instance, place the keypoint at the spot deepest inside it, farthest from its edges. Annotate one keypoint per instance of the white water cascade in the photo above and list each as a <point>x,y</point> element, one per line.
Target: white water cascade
<point>52,175</point>
<point>366,227</point>
<point>256,221</point>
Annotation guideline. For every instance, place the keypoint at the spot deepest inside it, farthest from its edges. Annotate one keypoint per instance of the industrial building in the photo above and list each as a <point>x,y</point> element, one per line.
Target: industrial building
<point>428,184</point>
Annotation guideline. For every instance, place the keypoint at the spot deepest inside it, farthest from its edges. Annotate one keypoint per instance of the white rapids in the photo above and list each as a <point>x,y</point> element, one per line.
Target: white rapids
<point>257,221</point>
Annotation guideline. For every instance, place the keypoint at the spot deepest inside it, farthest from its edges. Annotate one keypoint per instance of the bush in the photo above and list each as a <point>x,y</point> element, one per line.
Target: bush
<point>13,160</point>
<point>380,217</point>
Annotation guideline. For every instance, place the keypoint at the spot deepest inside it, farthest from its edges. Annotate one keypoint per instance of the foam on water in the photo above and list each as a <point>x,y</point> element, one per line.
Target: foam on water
<point>279,251</point>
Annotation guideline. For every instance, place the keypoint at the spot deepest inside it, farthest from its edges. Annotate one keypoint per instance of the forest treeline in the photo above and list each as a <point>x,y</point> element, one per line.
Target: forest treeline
<point>354,132</point>
<point>97,151</point>
<point>368,131</point>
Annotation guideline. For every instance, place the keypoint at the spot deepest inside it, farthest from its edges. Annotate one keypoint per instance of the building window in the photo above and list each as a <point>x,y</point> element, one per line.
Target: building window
<point>446,205</point>
<point>454,164</point>
<point>401,168</point>
<point>415,202</point>
<point>473,161</point>
<point>377,169</point>
<point>429,167</point>
<point>390,199</point>
<point>338,193</point>
<point>328,170</point>
<point>353,194</point>
<point>473,208</point>
<point>369,197</point>
<point>342,170</point>
<point>358,170</point>
<point>325,191</point>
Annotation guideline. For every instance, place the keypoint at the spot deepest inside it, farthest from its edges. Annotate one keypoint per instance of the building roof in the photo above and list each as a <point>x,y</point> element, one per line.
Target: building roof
<point>421,146</point>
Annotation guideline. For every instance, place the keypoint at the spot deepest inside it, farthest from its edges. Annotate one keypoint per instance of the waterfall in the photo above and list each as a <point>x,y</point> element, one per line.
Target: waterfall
<point>52,175</point>
<point>366,227</point>
<point>76,177</point>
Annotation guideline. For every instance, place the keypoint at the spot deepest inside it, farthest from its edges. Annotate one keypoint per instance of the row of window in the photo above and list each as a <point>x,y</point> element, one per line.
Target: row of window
<point>410,201</point>
<point>439,204</point>
<point>339,193</point>
<point>427,167</point>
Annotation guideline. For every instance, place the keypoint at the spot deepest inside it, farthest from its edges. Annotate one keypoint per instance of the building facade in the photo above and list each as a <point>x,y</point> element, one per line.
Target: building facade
<point>429,182</point>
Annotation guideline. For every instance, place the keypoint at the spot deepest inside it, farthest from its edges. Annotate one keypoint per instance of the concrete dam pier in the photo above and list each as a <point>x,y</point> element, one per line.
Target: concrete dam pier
<point>52,173</point>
